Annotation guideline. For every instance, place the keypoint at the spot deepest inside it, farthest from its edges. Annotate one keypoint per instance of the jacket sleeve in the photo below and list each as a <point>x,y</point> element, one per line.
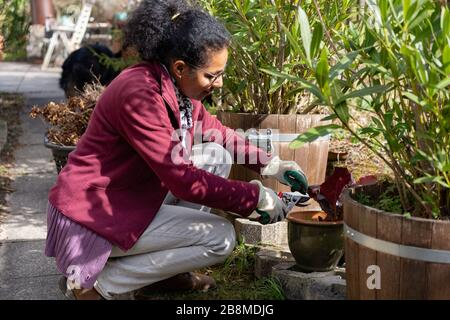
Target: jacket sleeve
<point>144,122</point>
<point>243,152</point>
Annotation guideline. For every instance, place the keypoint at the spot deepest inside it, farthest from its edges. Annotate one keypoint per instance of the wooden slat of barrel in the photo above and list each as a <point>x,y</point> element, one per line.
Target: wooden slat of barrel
<point>252,122</point>
<point>322,157</point>
<point>224,118</point>
<point>270,123</point>
<point>288,124</point>
<point>313,169</point>
<point>389,228</point>
<point>414,274</point>
<point>439,274</point>
<point>302,154</point>
<point>351,217</point>
<point>367,257</point>
<point>239,122</point>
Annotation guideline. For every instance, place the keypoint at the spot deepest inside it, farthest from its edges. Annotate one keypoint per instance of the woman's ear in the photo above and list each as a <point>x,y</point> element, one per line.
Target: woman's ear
<point>178,68</point>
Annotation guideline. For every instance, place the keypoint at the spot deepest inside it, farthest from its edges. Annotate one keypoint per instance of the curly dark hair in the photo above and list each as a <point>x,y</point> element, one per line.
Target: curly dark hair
<point>163,30</point>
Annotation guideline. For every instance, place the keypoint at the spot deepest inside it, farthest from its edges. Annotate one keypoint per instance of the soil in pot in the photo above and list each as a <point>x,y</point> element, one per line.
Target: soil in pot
<point>317,245</point>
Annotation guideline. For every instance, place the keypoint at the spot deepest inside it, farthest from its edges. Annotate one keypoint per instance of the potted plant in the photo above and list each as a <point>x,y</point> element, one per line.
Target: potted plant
<point>316,239</point>
<point>253,97</point>
<point>67,122</point>
<point>394,65</point>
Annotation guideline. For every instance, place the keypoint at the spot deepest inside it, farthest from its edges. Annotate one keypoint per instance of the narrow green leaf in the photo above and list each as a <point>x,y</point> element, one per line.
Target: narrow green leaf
<point>420,18</point>
<point>388,118</point>
<point>305,84</point>
<point>323,71</point>
<point>342,112</point>
<point>428,179</point>
<point>313,134</point>
<point>445,21</point>
<point>384,7</point>
<point>412,97</point>
<point>276,73</point>
<point>330,117</point>
<point>364,92</point>
<point>432,179</point>
<point>316,40</point>
<point>342,65</point>
<point>293,41</point>
<point>276,86</point>
<point>443,84</point>
<point>305,31</point>
<point>406,4</point>
<point>446,58</point>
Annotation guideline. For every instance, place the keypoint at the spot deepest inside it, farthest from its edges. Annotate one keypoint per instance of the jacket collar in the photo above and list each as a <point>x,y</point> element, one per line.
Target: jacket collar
<point>168,91</point>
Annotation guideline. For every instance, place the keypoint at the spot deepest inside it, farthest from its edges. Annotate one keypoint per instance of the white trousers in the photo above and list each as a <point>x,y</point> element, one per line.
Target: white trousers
<point>182,237</point>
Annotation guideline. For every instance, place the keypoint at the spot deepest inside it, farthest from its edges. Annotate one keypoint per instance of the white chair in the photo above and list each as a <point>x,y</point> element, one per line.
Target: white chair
<point>61,35</point>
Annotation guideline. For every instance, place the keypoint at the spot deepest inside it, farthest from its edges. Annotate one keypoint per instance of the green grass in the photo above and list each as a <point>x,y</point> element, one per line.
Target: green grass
<point>235,281</point>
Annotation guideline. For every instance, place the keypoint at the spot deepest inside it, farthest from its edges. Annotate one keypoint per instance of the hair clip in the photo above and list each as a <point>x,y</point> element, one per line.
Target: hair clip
<point>175,16</point>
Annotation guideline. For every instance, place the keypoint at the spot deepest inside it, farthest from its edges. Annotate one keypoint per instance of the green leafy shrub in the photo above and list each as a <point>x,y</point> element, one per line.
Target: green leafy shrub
<point>14,23</point>
<point>264,37</point>
<point>394,64</point>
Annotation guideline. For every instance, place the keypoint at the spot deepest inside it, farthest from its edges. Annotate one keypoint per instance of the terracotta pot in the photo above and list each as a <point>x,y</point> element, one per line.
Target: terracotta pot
<point>317,246</point>
<point>41,10</point>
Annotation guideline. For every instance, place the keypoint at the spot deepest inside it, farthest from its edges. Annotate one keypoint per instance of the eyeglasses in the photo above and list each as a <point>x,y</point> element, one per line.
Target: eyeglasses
<point>211,76</point>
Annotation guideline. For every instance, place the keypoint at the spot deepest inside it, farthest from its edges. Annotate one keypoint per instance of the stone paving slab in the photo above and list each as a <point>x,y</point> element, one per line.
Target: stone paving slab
<point>27,273</point>
<point>34,159</point>
<point>23,227</point>
<point>23,259</point>
<point>31,192</point>
<point>8,67</point>
<point>34,288</point>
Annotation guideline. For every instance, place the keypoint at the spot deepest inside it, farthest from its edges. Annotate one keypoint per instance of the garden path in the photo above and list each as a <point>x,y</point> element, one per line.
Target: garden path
<point>25,273</point>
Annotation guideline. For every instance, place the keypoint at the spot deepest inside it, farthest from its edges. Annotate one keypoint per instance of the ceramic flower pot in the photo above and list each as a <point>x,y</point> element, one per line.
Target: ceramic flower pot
<point>317,246</point>
<point>60,153</point>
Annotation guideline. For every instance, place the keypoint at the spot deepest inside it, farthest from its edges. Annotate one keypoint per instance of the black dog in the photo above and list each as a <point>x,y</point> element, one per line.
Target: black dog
<point>83,66</point>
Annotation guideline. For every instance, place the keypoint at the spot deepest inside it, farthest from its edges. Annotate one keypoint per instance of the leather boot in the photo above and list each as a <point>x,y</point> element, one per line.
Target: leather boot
<point>78,294</point>
<point>184,281</point>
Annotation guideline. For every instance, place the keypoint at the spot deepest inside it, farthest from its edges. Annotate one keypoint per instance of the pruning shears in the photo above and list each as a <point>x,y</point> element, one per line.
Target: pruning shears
<point>297,197</point>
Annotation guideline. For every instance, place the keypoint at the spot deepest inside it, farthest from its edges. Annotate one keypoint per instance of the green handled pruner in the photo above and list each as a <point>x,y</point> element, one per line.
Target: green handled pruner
<point>299,195</point>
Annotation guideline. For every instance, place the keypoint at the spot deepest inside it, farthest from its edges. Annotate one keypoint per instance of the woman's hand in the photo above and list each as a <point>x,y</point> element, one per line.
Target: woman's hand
<point>270,204</point>
<point>288,173</point>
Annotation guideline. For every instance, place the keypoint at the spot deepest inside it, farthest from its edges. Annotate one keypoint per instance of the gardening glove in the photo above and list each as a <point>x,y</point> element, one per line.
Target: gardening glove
<point>288,173</point>
<point>270,206</point>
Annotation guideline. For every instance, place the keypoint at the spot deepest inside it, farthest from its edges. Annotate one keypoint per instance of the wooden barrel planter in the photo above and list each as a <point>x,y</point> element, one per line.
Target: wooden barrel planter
<point>312,157</point>
<point>411,255</point>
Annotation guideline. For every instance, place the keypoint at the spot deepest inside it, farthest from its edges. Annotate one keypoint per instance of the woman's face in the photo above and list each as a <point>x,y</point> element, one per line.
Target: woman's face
<point>198,82</point>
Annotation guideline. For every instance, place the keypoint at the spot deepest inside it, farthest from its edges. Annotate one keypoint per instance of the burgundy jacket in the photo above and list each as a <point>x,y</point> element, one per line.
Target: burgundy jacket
<point>117,178</point>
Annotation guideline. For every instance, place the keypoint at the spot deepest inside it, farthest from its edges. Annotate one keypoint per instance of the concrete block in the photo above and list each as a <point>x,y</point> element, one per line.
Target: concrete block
<point>309,286</point>
<point>268,257</point>
<point>253,232</point>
